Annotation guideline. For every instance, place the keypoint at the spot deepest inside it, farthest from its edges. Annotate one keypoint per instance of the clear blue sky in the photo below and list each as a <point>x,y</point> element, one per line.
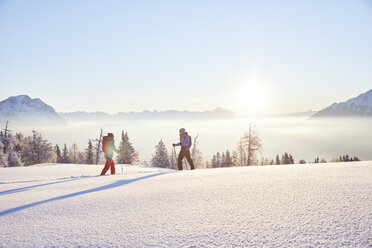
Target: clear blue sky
<point>133,55</point>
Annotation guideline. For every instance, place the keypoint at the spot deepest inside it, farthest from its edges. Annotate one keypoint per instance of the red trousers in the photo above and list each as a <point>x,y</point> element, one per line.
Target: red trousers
<point>109,163</point>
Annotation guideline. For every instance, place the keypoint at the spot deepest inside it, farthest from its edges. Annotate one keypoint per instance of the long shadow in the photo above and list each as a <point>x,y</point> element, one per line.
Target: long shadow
<point>109,186</point>
<point>17,190</point>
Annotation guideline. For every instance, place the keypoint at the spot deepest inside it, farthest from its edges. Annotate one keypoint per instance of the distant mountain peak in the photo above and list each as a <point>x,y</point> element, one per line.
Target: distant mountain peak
<point>23,109</point>
<point>360,106</point>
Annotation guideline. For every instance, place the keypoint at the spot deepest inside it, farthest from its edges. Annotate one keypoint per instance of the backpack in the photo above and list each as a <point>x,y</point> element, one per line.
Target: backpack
<point>106,143</point>
<point>190,141</point>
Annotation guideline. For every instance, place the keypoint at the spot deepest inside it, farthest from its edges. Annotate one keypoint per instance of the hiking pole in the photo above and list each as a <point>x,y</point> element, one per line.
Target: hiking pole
<point>175,155</point>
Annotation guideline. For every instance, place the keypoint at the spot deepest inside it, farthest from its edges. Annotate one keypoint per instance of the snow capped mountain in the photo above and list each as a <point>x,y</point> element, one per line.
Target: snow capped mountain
<point>24,110</point>
<point>360,106</point>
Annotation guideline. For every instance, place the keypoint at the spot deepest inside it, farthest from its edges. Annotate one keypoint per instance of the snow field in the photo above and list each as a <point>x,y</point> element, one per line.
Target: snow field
<point>64,205</point>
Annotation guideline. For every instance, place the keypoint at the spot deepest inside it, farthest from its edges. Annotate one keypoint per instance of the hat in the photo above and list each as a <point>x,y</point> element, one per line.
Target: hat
<point>182,130</point>
<point>111,135</point>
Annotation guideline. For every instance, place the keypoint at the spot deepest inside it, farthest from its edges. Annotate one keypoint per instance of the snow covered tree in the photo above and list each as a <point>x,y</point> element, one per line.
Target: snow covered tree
<point>74,154</point>
<point>196,155</point>
<point>58,154</point>
<point>37,150</point>
<point>89,153</point>
<point>214,162</point>
<point>127,155</point>
<point>241,154</point>
<point>287,159</point>
<point>277,160</point>
<point>3,156</point>
<point>234,158</point>
<point>161,158</point>
<point>65,155</point>
<point>252,145</point>
<point>229,160</point>
<point>99,157</point>
<point>14,159</point>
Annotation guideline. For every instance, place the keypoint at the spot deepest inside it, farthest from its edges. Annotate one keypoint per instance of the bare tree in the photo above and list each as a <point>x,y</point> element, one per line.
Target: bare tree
<point>252,144</point>
<point>196,154</point>
<point>98,146</point>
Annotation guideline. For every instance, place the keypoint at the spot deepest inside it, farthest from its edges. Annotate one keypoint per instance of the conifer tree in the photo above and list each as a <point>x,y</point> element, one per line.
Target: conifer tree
<point>127,155</point>
<point>58,154</point>
<point>161,158</point>
<point>89,153</point>
<point>65,155</point>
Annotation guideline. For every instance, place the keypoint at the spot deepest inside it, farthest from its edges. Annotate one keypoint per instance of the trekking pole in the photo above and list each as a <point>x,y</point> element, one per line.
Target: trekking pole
<point>175,155</point>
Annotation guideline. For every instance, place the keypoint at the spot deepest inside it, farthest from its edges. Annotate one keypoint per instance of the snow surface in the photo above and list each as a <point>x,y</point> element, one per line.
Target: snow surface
<point>60,205</point>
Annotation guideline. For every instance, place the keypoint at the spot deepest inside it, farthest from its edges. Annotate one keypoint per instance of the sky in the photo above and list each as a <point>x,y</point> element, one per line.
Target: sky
<point>269,57</point>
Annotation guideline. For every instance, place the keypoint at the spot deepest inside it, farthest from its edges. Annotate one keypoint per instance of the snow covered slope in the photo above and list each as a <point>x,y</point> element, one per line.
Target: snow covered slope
<point>323,205</point>
<point>360,106</point>
<point>24,110</point>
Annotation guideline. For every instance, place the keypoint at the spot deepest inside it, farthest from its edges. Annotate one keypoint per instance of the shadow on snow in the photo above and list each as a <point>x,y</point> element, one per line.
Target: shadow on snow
<point>12,191</point>
<point>109,186</point>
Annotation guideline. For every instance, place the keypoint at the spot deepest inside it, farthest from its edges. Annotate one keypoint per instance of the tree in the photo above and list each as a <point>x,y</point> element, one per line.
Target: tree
<point>65,155</point>
<point>127,155</point>
<point>37,150</point>
<point>3,156</point>
<point>241,153</point>
<point>277,160</point>
<point>74,154</point>
<point>58,154</point>
<point>287,159</point>
<point>219,159</point>
<point>14,159</point>
<point>252,145</point>
<point>214,162</point>
<point>99,156</point>
<point>89,153</point>
<point>161,158</point>
<point>227,161</point>
<point>196,155</point>
<point>235,158</point>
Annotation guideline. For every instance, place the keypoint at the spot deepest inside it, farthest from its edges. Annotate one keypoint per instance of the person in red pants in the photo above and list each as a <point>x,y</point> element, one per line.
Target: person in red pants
<point>108,147</point>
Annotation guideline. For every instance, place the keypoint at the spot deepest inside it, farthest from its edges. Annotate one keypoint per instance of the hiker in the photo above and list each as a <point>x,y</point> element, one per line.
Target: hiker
<point>108,147</point>
<point>185,143</point>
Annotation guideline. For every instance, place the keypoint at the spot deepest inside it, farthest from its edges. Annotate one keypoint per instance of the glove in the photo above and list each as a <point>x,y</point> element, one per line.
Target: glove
<point>173,144</point>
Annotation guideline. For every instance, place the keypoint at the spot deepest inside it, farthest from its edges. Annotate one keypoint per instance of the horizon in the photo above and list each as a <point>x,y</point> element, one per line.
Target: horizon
<point>188,110</point>
<point>251,58</point>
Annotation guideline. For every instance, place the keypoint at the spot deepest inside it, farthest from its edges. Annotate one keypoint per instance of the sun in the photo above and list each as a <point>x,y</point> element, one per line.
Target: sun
<point>252,99</point>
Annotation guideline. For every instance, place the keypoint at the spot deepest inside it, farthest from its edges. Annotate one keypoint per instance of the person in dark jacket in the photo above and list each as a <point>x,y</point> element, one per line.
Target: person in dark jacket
<point>185,149</point>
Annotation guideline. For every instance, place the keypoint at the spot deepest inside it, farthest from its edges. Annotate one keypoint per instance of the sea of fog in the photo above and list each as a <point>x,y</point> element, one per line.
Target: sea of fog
<point>301,137</point>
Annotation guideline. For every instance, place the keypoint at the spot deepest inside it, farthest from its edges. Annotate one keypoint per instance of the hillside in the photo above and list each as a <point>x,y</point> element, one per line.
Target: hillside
<point>360,106</point>
<point>323,205</point>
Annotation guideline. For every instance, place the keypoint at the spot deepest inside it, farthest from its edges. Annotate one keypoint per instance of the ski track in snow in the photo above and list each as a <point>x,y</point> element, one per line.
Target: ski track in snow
<point>64,205</point>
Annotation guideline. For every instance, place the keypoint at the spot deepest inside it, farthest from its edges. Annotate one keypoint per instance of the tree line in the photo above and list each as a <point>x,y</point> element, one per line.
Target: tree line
<point>18,150</point>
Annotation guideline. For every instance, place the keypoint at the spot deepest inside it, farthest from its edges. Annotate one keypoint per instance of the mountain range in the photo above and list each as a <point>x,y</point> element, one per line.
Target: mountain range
<point>218,113</point>
<point>360,106</point>
<point>24,110</point>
